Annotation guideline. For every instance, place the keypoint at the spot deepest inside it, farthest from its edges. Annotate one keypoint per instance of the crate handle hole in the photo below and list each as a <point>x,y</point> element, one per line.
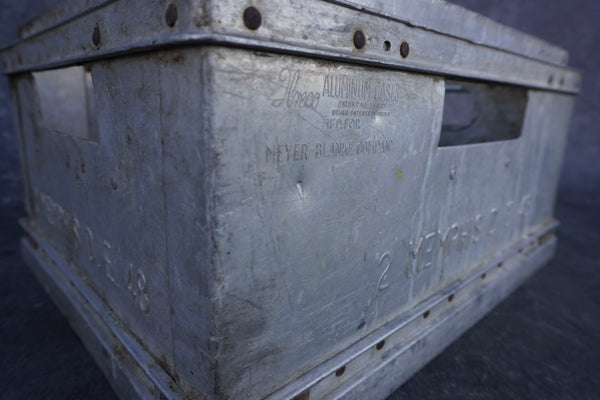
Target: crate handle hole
<point>479,112</point>
<point>66,101</point>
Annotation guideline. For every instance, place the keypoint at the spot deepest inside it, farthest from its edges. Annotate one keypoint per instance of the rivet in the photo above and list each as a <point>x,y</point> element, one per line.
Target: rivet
<point>404,49</point>
<point>252,18</point>
<point>452,172</point>
<point>171,15</point>
<point>359,40</point>
<point>96,36</point>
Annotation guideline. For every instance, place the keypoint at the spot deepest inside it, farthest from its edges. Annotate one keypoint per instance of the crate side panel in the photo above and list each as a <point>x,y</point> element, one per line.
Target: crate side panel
<point>472,208</point>
<point>320,167</point>
<point>545,131</point>
<point>184,80</point>
<point>100,203</point>
<point>486,196</point>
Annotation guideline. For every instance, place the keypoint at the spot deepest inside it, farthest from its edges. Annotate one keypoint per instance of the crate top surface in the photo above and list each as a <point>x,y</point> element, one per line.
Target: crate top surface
<point>78,31</point>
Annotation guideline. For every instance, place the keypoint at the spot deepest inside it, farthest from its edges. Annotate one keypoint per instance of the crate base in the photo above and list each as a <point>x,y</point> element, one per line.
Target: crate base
<point>371,368</point>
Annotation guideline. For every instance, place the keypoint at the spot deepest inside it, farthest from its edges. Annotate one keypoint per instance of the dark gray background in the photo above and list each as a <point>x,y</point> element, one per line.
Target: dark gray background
<point>541,343</point>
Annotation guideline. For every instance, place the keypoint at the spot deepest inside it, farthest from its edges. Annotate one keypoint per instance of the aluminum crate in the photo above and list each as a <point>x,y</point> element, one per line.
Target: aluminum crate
<point>276,200</point>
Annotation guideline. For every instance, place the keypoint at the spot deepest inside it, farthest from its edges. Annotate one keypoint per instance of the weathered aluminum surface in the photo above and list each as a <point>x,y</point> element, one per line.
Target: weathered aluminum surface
<point>314,28</point>
<point>62,13</point>
<point>428,14</point>
<point>132,371</point>
<point>376,364</point>
<point>450,19</point>
<point>255,249</point>
<point>242,222</point>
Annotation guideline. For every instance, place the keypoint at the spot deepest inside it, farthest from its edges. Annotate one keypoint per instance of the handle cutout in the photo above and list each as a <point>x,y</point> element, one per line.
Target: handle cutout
<point>481,112</point>
<point>66,101</point>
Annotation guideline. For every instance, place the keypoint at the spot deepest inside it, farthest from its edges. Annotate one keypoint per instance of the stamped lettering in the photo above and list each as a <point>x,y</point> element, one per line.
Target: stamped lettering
<point>304,151</point>
<point>423,251</point>
<point>294,97</point>
<point>385,262</point>
<point>90,243</point>
<point>358,88</point>
<point>343,102</point>
<point>138,287</point>
<point>99,253</point>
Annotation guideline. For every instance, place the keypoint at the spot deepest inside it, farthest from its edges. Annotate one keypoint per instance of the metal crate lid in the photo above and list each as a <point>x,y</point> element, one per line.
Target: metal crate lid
<point>430,36</point>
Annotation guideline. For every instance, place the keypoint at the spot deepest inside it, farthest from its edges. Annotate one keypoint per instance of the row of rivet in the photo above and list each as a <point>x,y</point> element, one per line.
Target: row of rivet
<point>379,346</point>
<point>253,20</point>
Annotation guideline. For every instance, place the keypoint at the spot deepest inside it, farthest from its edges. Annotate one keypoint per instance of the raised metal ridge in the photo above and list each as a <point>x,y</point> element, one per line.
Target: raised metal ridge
<point>315,29</point>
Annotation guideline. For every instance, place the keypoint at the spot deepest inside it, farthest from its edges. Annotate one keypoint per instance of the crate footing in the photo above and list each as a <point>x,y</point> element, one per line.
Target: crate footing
<point>377,365</point>
<point>371,368</point>
<point>130,369</point>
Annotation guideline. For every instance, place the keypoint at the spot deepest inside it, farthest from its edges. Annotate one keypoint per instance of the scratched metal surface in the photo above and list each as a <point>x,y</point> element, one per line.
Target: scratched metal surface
<point>538,344</point>
<point>242,231</point>
<point>287,26</point>
<point>430,14</point>
<point>465,24</point>
<point>246,230</point>
<point>364,269</point>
